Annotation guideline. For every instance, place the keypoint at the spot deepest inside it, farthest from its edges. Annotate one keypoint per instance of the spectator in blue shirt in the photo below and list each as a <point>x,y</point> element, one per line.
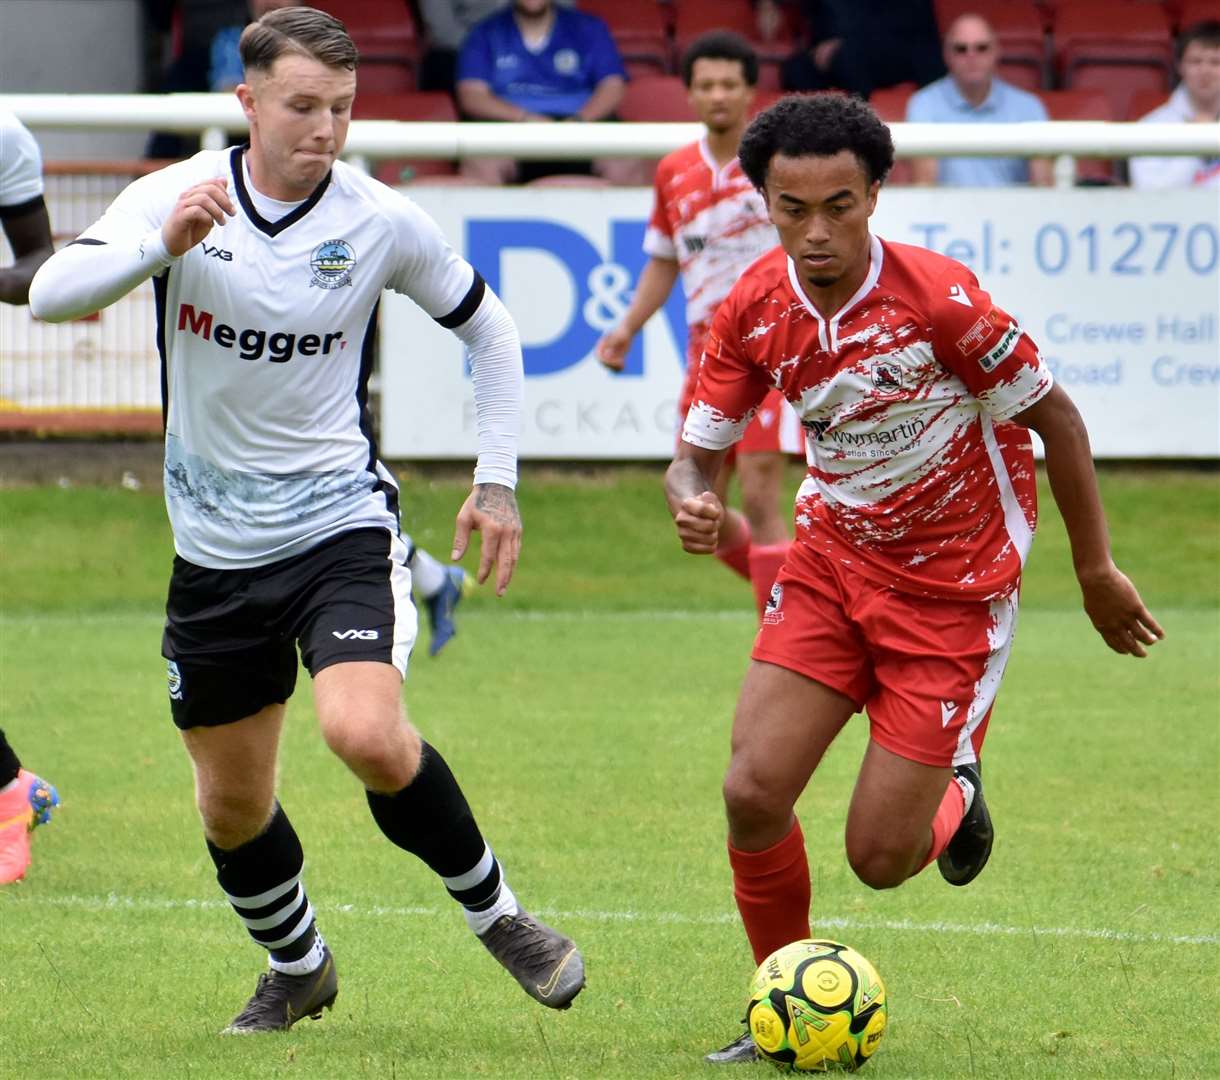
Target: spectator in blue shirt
<point>971,94</point>
<point>536,62</point>
<point>224,61</point>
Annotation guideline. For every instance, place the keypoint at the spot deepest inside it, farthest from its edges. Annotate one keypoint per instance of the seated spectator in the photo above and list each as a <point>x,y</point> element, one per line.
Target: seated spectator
<point>863,45</point>
<point>1195,101</point>
<point>972,94</point>
<point>191,25</point>
<point>536,62</point>
<point>224,61</point>
<point>446,24</point>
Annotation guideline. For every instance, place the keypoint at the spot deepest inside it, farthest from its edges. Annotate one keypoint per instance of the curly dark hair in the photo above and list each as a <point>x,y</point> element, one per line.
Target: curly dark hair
<point>721,45</point>
<point>816,125</point>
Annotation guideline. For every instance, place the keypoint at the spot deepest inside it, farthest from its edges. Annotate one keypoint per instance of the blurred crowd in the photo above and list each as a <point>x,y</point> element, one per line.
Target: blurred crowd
<point>548,61</point>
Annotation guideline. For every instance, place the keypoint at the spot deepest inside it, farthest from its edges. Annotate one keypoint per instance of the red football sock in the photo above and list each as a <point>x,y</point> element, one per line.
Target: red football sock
<point>948,817</point>
<point>765,561</point>
<point>734,548</point>
<point>771,888</point>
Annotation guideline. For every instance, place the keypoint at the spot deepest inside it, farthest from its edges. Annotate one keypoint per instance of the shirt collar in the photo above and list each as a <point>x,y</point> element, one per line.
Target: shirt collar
<point>989,104</point>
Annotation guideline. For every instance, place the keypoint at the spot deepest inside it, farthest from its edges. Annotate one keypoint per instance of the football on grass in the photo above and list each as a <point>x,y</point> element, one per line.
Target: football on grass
<point>816,1005</point>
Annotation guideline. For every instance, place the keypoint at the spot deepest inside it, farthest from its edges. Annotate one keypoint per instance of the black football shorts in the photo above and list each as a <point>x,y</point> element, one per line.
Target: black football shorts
<point>231,635</point>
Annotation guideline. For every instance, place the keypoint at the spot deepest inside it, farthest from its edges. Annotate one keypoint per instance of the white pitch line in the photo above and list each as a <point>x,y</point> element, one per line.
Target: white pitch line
<point>661,918</point>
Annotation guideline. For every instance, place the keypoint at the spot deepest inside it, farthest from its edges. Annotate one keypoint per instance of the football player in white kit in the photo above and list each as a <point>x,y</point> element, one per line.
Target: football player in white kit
<point>268,262</point>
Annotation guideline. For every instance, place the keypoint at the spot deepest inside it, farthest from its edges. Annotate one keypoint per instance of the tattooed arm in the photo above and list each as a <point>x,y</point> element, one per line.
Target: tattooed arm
<point>492,509</point>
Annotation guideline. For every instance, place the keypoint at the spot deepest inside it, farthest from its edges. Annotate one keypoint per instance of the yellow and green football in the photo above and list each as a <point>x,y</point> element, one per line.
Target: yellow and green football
<point>816,1005</point>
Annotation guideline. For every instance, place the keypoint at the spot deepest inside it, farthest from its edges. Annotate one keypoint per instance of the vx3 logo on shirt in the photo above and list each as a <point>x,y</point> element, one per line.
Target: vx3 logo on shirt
<point>357,635</point>
<point>216,252</point>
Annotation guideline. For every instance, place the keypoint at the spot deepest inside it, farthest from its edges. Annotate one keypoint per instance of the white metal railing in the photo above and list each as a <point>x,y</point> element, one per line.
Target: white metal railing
<point>212,115</point>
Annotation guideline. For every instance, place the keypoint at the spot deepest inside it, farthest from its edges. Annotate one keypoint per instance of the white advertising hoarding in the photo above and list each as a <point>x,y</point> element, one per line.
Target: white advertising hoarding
<point>1120,289</point>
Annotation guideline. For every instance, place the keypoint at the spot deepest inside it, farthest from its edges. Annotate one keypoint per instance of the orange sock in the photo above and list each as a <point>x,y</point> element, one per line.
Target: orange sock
<point>765,561</point>
<point>734,549</point>
<point>948,817</point>
<point>771,888</point>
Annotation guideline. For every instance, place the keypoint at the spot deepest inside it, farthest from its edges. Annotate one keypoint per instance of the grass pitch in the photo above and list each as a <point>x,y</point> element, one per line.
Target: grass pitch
<point>587,717</point>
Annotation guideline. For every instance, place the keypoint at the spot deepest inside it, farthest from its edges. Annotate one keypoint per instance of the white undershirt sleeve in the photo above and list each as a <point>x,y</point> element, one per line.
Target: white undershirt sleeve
<point>494,350</point>
<point>89,275</point>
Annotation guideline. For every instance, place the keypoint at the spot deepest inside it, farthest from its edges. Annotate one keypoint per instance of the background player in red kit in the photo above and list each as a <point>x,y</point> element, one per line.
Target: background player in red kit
<point>898,596</point>
<point>708,224</point>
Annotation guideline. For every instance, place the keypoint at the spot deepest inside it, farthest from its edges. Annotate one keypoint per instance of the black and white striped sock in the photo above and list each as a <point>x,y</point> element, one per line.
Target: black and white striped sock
<point>482,892</point>
<point>262,880</point>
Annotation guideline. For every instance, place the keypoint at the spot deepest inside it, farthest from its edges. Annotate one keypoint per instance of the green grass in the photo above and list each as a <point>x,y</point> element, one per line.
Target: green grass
<point>587,716</point>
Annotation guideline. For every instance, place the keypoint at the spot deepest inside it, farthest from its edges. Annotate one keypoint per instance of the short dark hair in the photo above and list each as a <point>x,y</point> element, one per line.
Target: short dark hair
<point>303,31</point>
<point>816,125</point>
<point>721,45</point>
<point>1206,33</point>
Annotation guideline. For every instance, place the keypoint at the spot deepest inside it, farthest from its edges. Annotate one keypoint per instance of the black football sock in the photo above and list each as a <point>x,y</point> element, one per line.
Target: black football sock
<point>431,819</point>
<point>262,880</point>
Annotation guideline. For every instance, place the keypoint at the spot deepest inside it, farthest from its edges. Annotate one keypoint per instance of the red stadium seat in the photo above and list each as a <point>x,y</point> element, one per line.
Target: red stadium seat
<point>640,31</point>
<point>1197,11</point>
<point>891,103</point>
<point>383,75</point>
<point>1144,101</point>
<point>1116,47</point>
<point>380,28</point>
<point>417,105</point>
<point>695,17</point>
<point>655,98</point>
<point>1082,105</point>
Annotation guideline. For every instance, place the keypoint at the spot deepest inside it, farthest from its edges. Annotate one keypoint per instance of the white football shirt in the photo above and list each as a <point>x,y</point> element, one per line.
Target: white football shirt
<point>20,163</point>
<point>267,333</point>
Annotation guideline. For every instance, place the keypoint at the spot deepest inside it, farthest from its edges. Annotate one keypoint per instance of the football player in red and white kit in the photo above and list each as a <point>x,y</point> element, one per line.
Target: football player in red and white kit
<point>899,595</point>
<point>708,224</point>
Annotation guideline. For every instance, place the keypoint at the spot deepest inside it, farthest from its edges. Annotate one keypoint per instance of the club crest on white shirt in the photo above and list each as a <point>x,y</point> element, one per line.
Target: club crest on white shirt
<point>332,263</point>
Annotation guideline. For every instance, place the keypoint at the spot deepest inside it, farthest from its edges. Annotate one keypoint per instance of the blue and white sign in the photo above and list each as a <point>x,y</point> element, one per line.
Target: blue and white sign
<point>1121,290</point>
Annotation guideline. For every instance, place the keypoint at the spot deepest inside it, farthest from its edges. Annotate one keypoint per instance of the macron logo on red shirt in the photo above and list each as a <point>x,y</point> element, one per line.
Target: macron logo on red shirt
<point>279,346</point>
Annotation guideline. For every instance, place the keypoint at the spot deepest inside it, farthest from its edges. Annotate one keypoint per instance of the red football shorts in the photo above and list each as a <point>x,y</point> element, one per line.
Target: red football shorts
<point>925,670</point>
<point>775,429</point>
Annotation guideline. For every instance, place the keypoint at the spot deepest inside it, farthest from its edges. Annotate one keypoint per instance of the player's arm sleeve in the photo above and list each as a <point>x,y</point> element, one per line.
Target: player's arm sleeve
<point>110,258</point>
<point>985,347</point>
<point>450,290</point>
<point>659,236</point>
<point>729,389</point>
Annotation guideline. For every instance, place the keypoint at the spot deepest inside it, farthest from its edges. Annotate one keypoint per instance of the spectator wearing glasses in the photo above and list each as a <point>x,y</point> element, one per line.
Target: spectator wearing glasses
<point>972,94</point>
<point>1195,101</point>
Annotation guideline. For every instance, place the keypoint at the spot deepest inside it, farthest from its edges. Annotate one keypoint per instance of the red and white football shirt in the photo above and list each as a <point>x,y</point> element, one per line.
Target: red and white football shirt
<point>917,478</point>
<point>713,221</point>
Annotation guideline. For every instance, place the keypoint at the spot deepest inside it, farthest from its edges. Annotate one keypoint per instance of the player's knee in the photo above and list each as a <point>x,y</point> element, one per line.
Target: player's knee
<point>233,818</point>
<point>385,758</point>
<point>750,801</point>
<point>879,866</point>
